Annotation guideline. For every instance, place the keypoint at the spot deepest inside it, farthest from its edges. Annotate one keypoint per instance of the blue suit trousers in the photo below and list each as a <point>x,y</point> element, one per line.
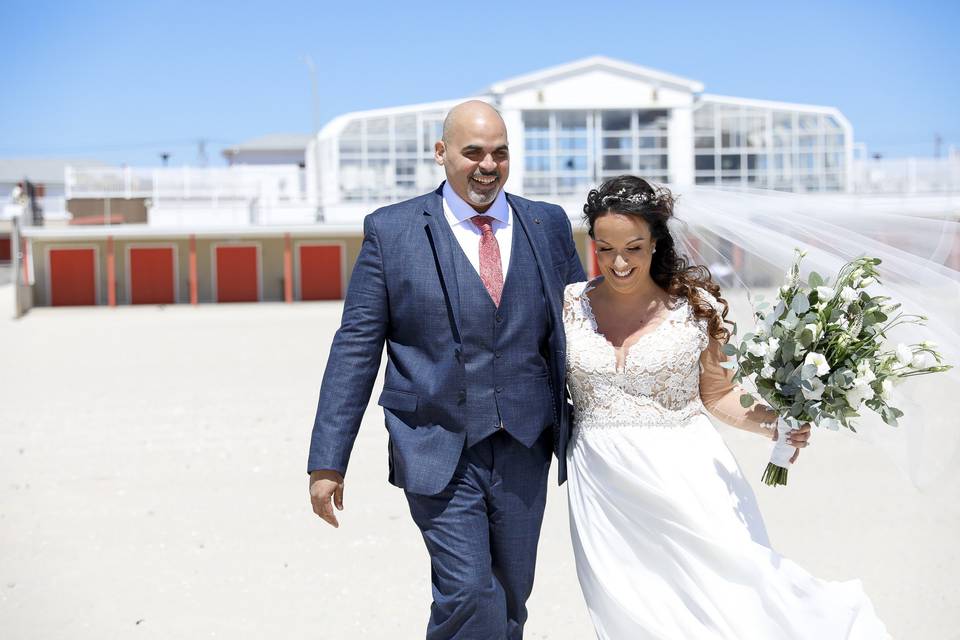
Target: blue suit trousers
<point>481,532</point>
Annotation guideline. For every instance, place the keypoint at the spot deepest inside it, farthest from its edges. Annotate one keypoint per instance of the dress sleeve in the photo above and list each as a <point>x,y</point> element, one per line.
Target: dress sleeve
<point>719,394</point>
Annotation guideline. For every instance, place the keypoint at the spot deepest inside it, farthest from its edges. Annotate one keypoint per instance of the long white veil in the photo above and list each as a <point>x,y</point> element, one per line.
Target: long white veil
<point>748,238</point>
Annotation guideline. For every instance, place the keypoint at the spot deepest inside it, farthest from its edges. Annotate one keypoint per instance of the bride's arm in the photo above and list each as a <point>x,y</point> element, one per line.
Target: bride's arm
<point>721,397</point>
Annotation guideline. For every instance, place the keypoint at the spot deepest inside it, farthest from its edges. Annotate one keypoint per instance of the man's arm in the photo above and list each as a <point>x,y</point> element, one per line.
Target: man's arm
<point>349,376</point>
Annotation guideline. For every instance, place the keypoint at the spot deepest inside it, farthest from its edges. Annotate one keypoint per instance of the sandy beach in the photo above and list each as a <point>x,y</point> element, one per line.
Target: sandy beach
<point>153,486</point>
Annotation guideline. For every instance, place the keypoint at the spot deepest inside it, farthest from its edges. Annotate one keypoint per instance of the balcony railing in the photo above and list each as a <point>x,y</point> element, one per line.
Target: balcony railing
<point>266,184</point>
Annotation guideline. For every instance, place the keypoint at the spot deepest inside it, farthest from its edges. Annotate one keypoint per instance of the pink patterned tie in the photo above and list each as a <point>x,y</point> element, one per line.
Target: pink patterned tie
<point>491,269</point>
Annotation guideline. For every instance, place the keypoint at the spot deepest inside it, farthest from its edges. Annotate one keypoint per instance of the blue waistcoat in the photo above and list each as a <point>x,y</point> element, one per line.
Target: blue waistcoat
<point>507,377</point>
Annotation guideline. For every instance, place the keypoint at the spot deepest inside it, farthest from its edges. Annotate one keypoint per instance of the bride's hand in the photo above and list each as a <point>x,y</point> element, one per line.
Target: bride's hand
<point>799,439</point>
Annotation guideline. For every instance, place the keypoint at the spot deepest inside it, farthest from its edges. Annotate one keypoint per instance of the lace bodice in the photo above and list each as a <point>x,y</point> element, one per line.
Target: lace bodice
<point>659,382</point>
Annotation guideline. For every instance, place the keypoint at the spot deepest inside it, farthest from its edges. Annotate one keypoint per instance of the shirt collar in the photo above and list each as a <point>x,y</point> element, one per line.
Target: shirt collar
<point>462,211</point>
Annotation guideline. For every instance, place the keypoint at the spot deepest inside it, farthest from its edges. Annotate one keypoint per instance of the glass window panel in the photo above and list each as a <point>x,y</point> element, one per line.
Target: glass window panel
<point>352,129</point>
<point>835,140</point>
<point>572,121</point>
<point>405,126</point>
<point>730,180</point>
<point>537,163</point>
<point>652,142</point>
<point>429,174</point>
<point>378,145</point>
<point>648,164</point>
<point>756,133</point>
<point>703,117</point>
<point>350,145</point>
<point>537,144</point>
<point>782,121</point>
<point>378,127</point>
<point>756,161</point>
<point>808,141</point>
<point>572,163</point>
<point>407,146</point>
<point>536,186</point>
<point>616,120</point>
<point>406,168</point>
<point>652,119</point>
<point>705,180</point>
<point>571,185</point>
<point>730,162</point>
<point>616,163</point>
<point>782,140</point>
<point>536,121</point>
<point>432,132</point>
<point>830,122</point>
<point>809,121</point>
<point>806,161</point>
<point>618,142</point>
<point>705,163</point>
<point>704,142</point>
<point>572,143</point>
<point>833,160</point>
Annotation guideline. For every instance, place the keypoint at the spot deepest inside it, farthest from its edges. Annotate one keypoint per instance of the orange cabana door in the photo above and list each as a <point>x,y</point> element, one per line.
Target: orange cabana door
<point>321,275</point>
<point>152,275</point>
<point>73,273</point>
<point>238,273</point>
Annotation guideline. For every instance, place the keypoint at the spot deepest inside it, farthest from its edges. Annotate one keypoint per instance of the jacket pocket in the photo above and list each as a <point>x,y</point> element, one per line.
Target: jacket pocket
<point>398,400</point>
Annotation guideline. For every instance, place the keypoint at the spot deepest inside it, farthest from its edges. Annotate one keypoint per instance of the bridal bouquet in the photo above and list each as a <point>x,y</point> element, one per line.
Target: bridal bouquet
<point>818,354</point>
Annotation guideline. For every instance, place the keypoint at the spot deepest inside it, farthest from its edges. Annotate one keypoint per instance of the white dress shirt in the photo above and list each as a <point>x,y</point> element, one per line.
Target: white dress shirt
<point>458,214</point>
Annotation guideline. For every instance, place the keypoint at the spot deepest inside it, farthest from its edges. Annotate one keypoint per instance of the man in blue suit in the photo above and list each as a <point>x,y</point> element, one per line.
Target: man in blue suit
<point>465,286</point>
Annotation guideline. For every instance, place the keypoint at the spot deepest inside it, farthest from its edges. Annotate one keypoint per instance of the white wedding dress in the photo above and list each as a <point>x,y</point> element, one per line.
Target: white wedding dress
<point>667,534</point>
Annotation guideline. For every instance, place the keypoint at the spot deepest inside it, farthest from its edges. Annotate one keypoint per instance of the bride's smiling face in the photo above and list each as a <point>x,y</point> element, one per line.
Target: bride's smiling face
<point>624,250</point>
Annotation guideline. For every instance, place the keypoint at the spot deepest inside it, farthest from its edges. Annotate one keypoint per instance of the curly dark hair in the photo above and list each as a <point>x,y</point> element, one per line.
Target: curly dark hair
<point>634,196</point>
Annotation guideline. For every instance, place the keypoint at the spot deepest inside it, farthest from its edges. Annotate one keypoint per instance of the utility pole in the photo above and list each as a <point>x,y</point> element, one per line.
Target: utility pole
<point>202,152</point>
<point>937,141</point>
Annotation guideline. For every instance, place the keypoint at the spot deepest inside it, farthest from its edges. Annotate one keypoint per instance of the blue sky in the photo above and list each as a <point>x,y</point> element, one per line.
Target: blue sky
<point>123,81</point>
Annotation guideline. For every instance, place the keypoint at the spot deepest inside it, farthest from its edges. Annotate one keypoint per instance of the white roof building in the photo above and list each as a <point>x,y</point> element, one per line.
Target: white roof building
<point>574,125</point>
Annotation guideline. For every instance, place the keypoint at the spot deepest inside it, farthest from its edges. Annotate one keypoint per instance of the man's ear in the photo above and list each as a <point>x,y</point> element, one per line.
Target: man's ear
<point>439,152</point>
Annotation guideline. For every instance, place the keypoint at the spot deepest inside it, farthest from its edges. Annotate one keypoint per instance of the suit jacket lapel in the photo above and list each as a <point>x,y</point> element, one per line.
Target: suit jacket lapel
<point>440,239</point>
<point>538,242</point>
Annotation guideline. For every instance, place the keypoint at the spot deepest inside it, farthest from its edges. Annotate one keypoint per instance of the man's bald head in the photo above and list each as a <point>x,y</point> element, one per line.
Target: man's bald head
<point>473,153</point>
<point>467,111</point>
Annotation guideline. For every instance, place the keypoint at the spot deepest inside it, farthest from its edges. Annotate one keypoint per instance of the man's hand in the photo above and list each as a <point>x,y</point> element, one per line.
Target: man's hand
<point>799,439</point>
<point>324,484</point>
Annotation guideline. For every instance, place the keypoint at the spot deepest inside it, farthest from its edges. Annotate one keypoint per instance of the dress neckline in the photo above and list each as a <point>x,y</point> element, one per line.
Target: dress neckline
<point>587,307</point>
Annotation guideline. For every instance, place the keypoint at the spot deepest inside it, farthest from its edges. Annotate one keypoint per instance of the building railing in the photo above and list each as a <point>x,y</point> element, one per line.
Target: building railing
<point>267,184</point>
<point>907,175</point>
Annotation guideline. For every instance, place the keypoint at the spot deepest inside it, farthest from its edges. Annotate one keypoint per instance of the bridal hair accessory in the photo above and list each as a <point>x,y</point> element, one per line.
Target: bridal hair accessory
<point>636,198</point>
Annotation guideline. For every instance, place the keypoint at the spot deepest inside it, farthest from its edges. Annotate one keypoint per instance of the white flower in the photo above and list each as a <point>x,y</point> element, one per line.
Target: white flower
<point>758,349</point>
<point>857,394</point>
<point>819,360</point>
<point>768,372</point>
<point>885,387</point>
<point>866,282</point>
<point>923,360</point>
<point>824,294</point>
<point>817,392</point>
<point>904,355</point>
<point>773,344</point>
<point>848,294</point>
<point>865,373</point>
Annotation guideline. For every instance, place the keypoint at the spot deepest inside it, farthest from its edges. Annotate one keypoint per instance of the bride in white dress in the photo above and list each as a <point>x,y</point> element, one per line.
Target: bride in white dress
<point>667,534</point>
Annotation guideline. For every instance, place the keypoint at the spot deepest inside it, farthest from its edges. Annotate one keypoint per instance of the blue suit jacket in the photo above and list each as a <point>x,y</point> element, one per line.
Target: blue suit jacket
<point>404,292</point>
